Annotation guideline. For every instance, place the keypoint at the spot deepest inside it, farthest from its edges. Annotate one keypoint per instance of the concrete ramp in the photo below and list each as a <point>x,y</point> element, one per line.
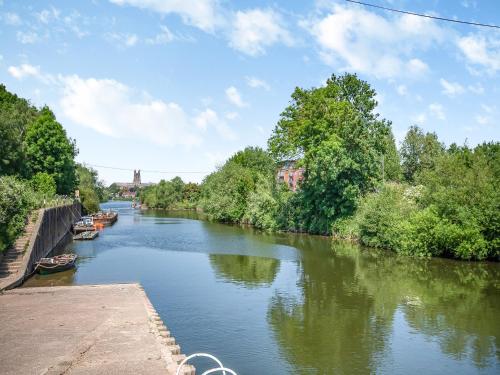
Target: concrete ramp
<point>95,329</point>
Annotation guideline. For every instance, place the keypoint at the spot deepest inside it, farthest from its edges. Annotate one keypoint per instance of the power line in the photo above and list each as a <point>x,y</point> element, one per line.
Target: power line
<point>424,15</point>
<point>144,170</point>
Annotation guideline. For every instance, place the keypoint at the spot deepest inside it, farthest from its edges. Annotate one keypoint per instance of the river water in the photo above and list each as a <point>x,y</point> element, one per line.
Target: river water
<point>296,304</point>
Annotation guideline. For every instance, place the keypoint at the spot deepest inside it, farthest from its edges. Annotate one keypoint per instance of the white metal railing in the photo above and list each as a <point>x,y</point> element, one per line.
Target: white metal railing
<point>221,367</point>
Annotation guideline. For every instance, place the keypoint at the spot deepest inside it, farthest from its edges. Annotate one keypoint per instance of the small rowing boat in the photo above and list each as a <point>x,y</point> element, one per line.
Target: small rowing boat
<point>57,263</point>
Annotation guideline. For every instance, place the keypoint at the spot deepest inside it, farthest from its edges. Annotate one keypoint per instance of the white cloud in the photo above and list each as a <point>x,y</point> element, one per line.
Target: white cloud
<point>210,118</point>
<point>12,19</point>
<point>27,37</point>
<point>47,15</point>
<point>261,130</point>
<point>451,88</point>
<point>356,39</point>
<point>482,120</point>
<point>417,67</point>
<point>402,90</point>
<point>198,13</point>
<point>476,89</point>
<point>165,36</point>
<point>123,40</point>
<point>482,50</point>
<point>234,97</point>
<point>232,115</point>
<point>24,70</point>
<point>112,108</point>
<point>420,118</point>
<point>256,29</point>
<point>437,111</point>
<point>487,108</point>
<point>257,83</point>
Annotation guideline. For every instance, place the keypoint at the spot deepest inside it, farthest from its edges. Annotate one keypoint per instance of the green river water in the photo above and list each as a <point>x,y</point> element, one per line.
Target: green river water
<point>296,304</point>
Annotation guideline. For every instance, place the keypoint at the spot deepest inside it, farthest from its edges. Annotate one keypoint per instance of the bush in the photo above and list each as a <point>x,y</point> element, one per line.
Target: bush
<point>44,184</point>
<point>16,201</point>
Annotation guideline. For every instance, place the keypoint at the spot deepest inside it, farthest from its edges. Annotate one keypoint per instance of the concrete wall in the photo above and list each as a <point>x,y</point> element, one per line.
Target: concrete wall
<point>52,226</point>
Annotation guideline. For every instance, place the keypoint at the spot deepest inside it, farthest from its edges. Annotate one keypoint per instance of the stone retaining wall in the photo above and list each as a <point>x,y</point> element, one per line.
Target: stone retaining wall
<point>52,226</point>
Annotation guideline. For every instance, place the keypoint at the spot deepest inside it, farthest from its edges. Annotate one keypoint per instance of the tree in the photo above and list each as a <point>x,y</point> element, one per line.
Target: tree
<point>44,184</point>
<point>340,140</point>
<point>418,152</point>
<point>91,190</point>
<point>49,150</point>
<point>15,116</point>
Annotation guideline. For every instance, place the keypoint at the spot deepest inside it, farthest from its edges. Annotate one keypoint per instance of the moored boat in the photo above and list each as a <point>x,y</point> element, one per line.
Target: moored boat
<point>87,235</point>
<point>106,218</point>
<point>57,263</point>
<point>84,225</point>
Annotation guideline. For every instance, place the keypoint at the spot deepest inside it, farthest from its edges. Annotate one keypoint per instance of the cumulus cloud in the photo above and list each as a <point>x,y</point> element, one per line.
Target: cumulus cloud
<point>210,118</point>
<point>123,40</point>
<point>234,97</point>
<point>48,15</point>
<point>476,89</point>
<point>163,37</point>
<point>112,108</point>
<point>437,111</point>
<point>420,118</point>
<point>24,70</point>
<point>257,83</point>
<point>12,19</point>
<point>254,30</point>
<point>198,13</point>
<point>481,50</point>
<point>357,39</point>
<point>402,90</point>
<point>451,89</point>
<point>27,37</point>
<point>482,120</point>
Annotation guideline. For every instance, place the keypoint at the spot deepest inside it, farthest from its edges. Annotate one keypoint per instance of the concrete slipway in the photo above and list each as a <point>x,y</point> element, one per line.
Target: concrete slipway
<point>95,329</point>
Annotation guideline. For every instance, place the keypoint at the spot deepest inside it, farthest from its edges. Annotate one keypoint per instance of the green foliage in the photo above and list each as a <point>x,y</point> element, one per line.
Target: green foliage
<point>418,152</point>
<point>341,141</point>
<point>44,184</point>
<point>92,191</point>
<point>455,212</point>
<point>47,149</point>
<point>15,116</point>
<point>16,201</point>
<point>226,191</point>
<point>226,194</point>
<point>172,195</point>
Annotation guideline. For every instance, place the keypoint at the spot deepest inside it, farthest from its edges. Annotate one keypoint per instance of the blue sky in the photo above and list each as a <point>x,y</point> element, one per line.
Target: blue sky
<point>179,86</point>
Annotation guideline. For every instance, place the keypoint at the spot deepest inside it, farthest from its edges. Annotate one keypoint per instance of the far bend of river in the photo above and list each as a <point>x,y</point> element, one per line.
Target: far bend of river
<point>295,304</point>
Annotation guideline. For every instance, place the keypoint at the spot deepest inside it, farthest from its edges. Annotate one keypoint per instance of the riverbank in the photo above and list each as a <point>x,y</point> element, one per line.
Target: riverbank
<point>93,329</point>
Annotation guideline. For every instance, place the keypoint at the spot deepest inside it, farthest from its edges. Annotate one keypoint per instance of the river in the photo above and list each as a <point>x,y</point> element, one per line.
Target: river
<point>296,304</point>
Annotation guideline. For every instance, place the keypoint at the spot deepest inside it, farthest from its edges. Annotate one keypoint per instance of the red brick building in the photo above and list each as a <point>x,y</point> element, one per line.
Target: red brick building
<point>290,174</point>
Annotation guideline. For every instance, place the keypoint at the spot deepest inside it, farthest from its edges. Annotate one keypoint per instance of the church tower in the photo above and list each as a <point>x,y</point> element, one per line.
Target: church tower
<point>137,177</point>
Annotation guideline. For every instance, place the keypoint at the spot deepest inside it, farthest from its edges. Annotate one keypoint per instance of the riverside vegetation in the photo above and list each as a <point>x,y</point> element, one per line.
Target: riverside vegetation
<point>425,199</point>
<point>37,166</point>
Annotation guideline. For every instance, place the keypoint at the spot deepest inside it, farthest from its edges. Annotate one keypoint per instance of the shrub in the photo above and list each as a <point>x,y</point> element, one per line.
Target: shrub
<point>16,201</point>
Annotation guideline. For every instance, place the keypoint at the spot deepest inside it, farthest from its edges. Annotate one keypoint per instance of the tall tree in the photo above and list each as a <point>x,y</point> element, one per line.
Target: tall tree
<point>15,115</point>
<point>48,149</point>
<point>419,151</point>
<point>339,137</point>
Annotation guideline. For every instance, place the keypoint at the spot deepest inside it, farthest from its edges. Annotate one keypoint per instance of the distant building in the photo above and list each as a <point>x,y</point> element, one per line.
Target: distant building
<point>290,174</point>
<point>129,189</point>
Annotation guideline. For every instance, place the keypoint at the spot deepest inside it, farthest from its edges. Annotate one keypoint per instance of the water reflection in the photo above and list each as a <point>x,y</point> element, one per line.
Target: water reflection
<point>251,271</point>
<point>293,304</point>
<point>345,318</point>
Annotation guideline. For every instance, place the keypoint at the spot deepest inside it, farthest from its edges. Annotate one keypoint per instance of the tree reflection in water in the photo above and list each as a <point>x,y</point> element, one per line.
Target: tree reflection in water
<point>251,271</point>
<point>343,320</point>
